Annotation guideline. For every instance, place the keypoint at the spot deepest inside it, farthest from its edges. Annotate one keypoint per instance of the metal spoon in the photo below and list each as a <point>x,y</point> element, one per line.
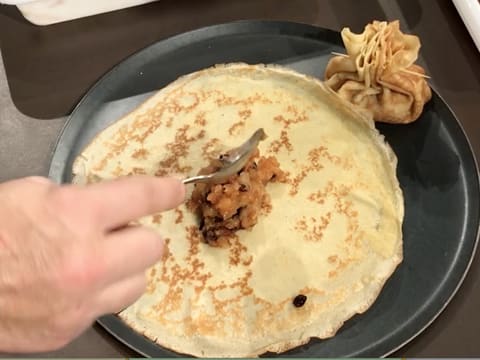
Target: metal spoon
<point>233,161</point>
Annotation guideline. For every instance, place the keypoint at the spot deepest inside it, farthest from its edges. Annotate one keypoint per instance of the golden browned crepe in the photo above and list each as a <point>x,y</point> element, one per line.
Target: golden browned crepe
<point>379,73</point>
<point>319,254</point>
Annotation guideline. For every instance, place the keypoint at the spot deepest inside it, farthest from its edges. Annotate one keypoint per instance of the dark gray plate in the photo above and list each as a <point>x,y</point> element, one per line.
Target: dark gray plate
<point>436,169</point>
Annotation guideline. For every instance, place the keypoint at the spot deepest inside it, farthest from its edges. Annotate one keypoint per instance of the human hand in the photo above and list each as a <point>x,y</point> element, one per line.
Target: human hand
<point>66,256</point>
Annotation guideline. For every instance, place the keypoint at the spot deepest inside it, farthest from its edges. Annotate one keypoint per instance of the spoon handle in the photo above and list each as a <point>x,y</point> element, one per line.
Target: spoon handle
<point>196,179</point>
<point>241,156</point>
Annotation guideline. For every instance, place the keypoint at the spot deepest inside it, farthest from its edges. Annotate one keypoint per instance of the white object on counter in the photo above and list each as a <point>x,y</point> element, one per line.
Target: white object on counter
<point>46,12</point>
<point>469,11</point>
<point>14,2</point>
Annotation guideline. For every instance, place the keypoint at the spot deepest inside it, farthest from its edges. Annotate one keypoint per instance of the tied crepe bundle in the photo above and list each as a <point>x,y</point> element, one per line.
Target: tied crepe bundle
<point>379,73</point>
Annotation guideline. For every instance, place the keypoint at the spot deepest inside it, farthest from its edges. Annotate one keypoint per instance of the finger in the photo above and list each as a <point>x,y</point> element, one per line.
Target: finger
<point>33,181</point>
<point>115,203</point>
<point>119,295</point>
<point>38,180</point>
<point>31,188</point>
<point>130,251</point>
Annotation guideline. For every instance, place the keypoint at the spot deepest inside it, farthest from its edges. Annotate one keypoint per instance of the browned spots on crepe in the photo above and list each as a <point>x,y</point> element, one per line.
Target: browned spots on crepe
<point>342,206</point>
<point>321,195</point>
<point>245,114</point>
<point>291,109</point>
<point>268,307</point>
<point>353,234</point>
<point>175,275</point>
<point>312,229</point>
<point>314,165</point>
<point>179,216</point>
<point>178,149</point>
<point>222,286</point>
<point>275,313</point>
<point>170,302</point>
<point>166,248</point>
<point>340,265</point>
<point>295,182</point>
<point>223,100</point>
<point>156,114</point>
<point>150,288</point>
<point>338,192</point>
<point>157,219</point>
<point>200,119</point>
<point>137,171</point>
<point>151,279</point>
<point>242,283</point>
<point>143,125</point>
<point>283,142</point>
<point>175,106</point>
<point>118,171</point>
<point>332,273</point>
<point>332,158</point>
<point>209,150</point>
<point>193,237</point>
<point>235,127</point>
<point>101,165</point>
<point>266,207</point>
<point>292,116</point>
<point>147,122</point>
<point>301,225</point>
<point>237,249</point>
<point>140,154</point>
<point>161,172</point>
<point>315,155</point>
<point>204,323</point>
<point>206,95</point>
<point>221,305</point>
<point>247,261</point>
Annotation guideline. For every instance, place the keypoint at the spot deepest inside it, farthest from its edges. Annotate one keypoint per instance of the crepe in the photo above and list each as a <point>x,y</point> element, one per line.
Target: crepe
<point>319,254</point>
<point>379,73</point>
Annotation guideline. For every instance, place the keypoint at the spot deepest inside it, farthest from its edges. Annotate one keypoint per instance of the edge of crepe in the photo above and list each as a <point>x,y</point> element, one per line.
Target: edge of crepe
<point>78,169</point>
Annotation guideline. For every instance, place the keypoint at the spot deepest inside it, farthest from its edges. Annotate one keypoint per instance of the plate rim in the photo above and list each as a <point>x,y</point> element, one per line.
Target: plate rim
<point>259,25</point>
<point>477,235</point>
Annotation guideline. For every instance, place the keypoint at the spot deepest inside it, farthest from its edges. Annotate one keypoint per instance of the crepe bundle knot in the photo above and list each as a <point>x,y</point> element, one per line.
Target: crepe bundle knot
<point>379,73</point>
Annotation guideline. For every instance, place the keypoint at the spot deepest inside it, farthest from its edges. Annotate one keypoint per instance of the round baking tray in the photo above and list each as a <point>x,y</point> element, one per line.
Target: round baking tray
<point>436,169</point>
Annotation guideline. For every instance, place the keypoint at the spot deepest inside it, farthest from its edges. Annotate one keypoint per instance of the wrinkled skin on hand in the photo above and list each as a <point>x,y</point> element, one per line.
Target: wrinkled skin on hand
<point>66,256</point>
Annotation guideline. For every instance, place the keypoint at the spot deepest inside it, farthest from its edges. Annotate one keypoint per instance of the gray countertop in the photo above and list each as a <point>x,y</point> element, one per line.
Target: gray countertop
<point>25,142</point>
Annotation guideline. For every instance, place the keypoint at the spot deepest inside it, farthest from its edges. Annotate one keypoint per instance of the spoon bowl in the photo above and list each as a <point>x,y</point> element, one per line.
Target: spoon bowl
<point>233,161</point>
